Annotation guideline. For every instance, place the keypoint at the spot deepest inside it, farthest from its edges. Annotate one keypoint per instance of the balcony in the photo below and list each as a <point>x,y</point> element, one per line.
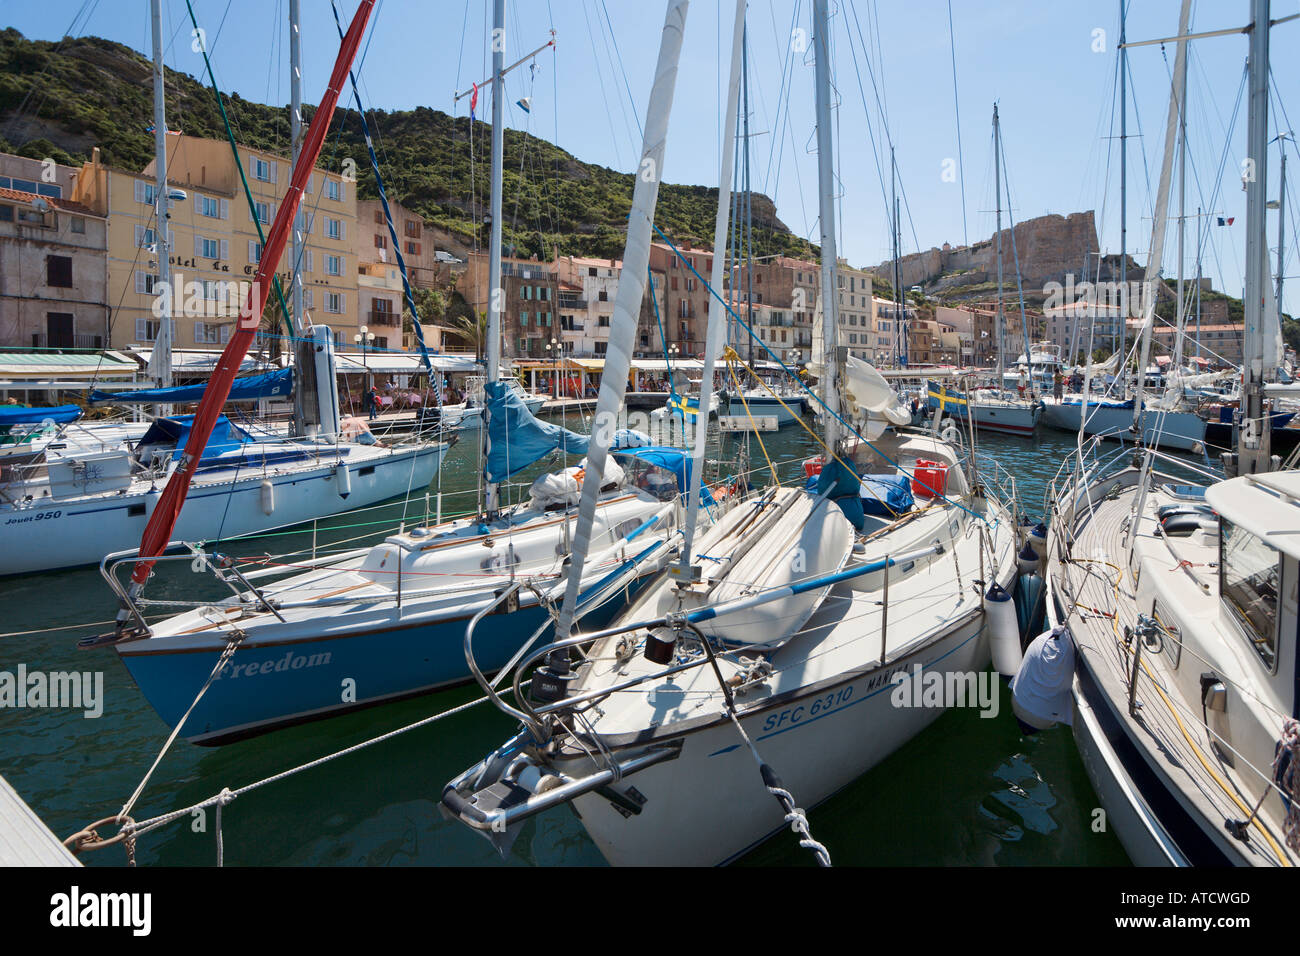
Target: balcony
<point>390,319</point>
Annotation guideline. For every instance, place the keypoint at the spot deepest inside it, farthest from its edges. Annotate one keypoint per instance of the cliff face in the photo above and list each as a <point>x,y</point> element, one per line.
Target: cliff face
<point>1048,247</point>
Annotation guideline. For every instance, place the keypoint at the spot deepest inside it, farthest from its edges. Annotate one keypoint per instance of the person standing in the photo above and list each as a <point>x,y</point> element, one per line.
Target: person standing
<point>1058,384</point>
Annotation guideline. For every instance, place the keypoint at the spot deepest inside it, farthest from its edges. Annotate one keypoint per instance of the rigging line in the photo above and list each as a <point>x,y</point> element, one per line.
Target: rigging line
<point>866,110</point>
<point>609,114</point>
<point>631,101</point>
<point>782,89</point>
<point>956,106</point>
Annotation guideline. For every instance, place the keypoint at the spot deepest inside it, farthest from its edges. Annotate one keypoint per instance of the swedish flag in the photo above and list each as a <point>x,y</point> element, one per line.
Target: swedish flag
<point>681,405</point>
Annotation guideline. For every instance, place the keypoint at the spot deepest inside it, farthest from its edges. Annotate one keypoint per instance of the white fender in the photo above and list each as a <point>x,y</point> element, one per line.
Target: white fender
<point>268,496</point>
<point>1004,632</point>
<point>343,478</point>
<point>1040,691</point>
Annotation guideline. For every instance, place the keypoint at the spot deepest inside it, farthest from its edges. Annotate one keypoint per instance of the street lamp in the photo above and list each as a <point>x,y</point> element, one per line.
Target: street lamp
<point>553,347</point>
<point>364,337</point>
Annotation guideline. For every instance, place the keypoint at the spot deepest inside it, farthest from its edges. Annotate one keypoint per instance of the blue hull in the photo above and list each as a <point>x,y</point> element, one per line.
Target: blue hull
<point>272,685</point>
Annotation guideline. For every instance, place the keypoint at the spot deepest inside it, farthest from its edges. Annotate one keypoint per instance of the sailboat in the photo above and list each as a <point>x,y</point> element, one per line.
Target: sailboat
<point>1174,651</point>
<point>389,621</point>
<point>781,635</point>
<point>995,409</point>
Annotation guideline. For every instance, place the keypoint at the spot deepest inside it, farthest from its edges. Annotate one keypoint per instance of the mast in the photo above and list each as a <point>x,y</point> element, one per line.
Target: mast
<point>1281,221</point>
<point>716,334</point>
<point>900,327</point>
<point>299,347</point>
<point>749,210</point>
<point>1253,445</point>
<point>826,215</point>
<point>997,192</point>
<point>627,301</point>
<point>496,294</point>
<point>1160,219</point>
<point>1122,371</point>
<point>160,361</point>
<point>1177,362</point>
<point>1198,281</point>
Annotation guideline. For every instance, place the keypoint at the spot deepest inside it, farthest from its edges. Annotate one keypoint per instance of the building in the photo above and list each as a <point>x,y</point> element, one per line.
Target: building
<point>857,324</point>
<point>588,288</point>
<point>529,296</point>
<point>215,244</point>
<point>53,260</point>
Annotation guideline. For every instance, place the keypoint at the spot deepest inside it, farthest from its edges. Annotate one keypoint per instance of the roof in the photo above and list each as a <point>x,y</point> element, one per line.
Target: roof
<point>67,205</point>
<point>1267,505</point>
<point>72,364</point>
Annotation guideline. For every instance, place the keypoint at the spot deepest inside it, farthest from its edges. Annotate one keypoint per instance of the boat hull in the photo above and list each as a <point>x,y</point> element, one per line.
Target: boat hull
<point>1183,431</point>
<point>52,534</point>
<point>766,407</point>
<point>818,742</point>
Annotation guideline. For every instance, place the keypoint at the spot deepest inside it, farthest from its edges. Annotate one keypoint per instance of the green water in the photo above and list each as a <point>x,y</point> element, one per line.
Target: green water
<point>967,791</point>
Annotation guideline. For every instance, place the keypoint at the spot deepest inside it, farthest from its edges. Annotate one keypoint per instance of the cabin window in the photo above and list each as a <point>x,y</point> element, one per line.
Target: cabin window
<point>1249,578</point>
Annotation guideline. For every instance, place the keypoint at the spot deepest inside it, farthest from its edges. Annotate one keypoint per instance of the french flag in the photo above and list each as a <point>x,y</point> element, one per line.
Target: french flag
<point>473,101</point>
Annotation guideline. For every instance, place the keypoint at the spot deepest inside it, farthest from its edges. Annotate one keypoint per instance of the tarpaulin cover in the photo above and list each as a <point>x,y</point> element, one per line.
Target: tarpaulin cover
<point>516,438</point>
<point>17,415</point>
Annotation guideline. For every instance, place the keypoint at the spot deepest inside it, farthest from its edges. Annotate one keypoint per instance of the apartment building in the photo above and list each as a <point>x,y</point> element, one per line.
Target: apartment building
<point>529,298</point>
<point>215,244</point>
<point>588,288</point>
<point>53,260</point>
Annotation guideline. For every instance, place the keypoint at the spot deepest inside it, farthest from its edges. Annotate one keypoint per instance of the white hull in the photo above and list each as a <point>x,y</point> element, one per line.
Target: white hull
<point>1184,431</point>
<point>471,418</point>
<point>52,533</point>
<point>817,742</point>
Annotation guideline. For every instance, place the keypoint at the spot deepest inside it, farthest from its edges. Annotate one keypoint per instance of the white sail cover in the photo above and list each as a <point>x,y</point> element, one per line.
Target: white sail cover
<point>865,394</point>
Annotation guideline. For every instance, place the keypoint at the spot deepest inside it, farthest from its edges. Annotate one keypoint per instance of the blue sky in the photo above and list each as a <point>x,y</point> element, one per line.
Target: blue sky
<point>1036,59</point>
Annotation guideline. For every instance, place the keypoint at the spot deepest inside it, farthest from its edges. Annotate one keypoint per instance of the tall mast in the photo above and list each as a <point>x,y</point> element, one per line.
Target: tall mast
<point>1281,221</point>
<point>160,361</point>
<point>718,325</point>
<point>301,350</point>
<point>496,294</point>
<point>1253,445</point>
<point>826,211</point>
<point>1182,215</point>
<point>997,192</point>
<point>1160,219</point>
<point>749,211</point>
<point>1122,371</point>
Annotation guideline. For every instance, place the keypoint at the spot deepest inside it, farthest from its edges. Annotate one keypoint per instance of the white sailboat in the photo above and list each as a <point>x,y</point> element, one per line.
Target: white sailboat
<point>783,636</point>
<point>1175,602</point>
<point>391,619</point>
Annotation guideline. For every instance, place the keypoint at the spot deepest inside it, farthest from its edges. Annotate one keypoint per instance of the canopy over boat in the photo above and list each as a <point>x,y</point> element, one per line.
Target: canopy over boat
<point>17,415</point>
<point>247,388</point>
<point>675,460</point>
<point>175,432</point>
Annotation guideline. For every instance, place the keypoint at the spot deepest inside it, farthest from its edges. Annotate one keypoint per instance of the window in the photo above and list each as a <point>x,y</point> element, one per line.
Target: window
<point>412,228</point>
<point>1249,579</point>
<point>334,228</point>
<point>58,271</point>
<point>412,248</point>
<point>209,333</point>
<point>523,318</point>
<point>146,330</point>
<point>210,207</point>
<point>263,170</point>
<point>334,302</point>
<point>264,212</point>
<point>254,252</point>
<point>334,189</point>
<point>603,321</point>
<point>6,213</point>
<point>334,265</point>
<point>144,192</point>
<point>602,346</point>
<point>78,225</point>
<point>381,242</point>
<point>523,345</point>
<point>145,283</point>
<point>206,248</point>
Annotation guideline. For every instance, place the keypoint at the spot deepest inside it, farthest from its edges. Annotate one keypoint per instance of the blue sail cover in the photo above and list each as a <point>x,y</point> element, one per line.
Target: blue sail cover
<point>516,438</point>
<point>676,460</point>
<point>17,415</point>
<point>175,432</point>
<point>246,388</point>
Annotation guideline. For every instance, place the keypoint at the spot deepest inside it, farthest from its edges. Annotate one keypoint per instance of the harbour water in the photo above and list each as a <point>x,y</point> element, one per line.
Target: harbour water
<point>968,791</point>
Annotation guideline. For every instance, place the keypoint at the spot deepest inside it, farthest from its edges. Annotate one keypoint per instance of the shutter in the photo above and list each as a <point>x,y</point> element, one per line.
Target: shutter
<point>225,334</point>
<point>198,245</point>
<point>198,333</point>
<point>343,229</point>
<point>310,179</point>
<point>139,236</point>
<point>270,213</point>
<point>225,250</point>
<point>308,255</point>
<point>343,303</point>
<point>343,190</point>
<point>225,209</point>
<point>273,171</point>
<point>141,329</point>
<point>311,223</point>
<point>139,283</point>
<point>139,191</point>
<point>252,252</point>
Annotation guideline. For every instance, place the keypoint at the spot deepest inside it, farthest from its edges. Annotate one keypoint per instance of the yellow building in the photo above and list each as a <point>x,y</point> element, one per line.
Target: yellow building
<point>215,245</point>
